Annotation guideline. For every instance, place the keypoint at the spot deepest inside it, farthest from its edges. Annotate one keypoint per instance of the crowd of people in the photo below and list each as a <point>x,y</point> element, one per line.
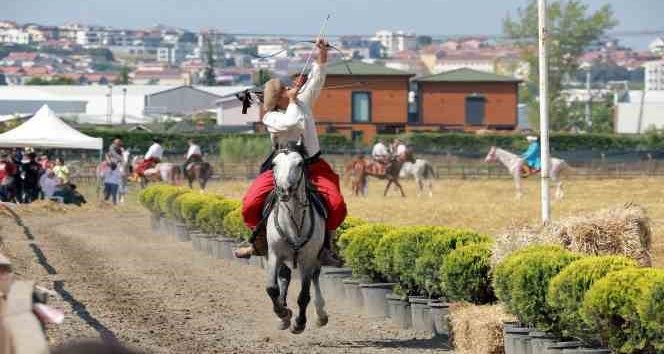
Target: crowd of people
<point>26,177</point>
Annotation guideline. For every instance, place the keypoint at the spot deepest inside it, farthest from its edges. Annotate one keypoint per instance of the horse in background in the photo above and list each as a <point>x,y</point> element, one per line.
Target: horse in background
<point>198,171</point>
<point>356,176</point>
<point>362,168</point>
<point>514,164</point>
<point>423,173</point>
<point>162,172</point>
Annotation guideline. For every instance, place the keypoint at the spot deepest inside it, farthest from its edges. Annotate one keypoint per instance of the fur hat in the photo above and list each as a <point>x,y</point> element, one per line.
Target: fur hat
<point>531,138</point>
<point>272,94</point>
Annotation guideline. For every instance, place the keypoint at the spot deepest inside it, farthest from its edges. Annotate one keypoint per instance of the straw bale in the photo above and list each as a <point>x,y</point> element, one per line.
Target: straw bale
<point>478,329</point>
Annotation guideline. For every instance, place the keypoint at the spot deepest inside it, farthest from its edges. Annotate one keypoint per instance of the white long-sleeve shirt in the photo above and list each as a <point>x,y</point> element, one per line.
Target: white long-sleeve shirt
<point>298,120</point>
<point>48,185</point>
<point>155,151</point>
<point>380,150</point>
<point>401,149</point>
<point>194,150</point>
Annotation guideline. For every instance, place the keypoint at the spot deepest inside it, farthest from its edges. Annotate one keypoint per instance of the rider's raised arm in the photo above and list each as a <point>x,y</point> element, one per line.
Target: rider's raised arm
<point>314,84</point>
<point>277,122</point>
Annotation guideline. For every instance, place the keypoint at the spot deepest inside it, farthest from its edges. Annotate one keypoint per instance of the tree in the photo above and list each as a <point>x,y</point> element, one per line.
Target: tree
<point>58,80</point>
<point>123,78</point>
<point>424,41</point>
<point>571,30</point>
<point>262,76</point>
<point>209,76</point>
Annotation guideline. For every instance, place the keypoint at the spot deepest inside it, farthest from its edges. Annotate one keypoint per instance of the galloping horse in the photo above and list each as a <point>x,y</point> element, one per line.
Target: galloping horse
<point>163,171</point>
<point>423,173</point>
<point>295,236</point>
<point>198,171</point>
<point>514,164</point>
<point>362,168</point>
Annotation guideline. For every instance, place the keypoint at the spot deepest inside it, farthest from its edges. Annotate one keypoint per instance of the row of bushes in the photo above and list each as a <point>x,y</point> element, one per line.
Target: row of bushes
<point>211,213</point>
<point>602,300</point>
<point>423,142</point>
<point>432,261</point>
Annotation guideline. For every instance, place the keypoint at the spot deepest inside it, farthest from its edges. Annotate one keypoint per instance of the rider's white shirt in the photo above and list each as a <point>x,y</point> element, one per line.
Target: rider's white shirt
<point>298,118</point>
<point>401,149</point>
<point>155,151</point>
<point>379,150</point>
<point>194,150</point>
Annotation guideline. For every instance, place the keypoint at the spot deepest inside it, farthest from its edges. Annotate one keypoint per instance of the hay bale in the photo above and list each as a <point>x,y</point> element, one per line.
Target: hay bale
<point>625,230</point>
<point>478,329</point>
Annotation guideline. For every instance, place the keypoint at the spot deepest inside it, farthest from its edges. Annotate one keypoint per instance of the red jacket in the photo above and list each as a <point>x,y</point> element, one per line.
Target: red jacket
<point>6,169</point>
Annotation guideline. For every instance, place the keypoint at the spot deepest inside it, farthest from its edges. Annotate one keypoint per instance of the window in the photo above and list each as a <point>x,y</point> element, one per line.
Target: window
<point>361,105</point>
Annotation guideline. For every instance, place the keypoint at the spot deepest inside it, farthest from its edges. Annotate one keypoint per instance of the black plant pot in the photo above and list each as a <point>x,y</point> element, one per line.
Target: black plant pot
<point>517,340</point>
<point>562,347</point>
<point>353,293</point>
<point>540,341</point>
<point>399,309</point>
<point>181,232</point>
<point>374,298</point>
<point>421,314</point>
<point>440,313</point>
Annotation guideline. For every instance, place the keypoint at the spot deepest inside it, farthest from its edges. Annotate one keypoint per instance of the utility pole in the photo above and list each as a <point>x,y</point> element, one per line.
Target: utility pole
<point>124,105</point>
<point>544,110</point>
<point>589,118</point>
<point>109,105</point>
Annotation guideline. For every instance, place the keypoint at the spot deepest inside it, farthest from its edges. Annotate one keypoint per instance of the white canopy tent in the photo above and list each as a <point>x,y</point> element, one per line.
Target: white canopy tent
<point>46,130</point>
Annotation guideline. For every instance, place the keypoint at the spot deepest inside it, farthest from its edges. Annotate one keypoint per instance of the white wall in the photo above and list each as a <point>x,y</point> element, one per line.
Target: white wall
<point>627,117</point>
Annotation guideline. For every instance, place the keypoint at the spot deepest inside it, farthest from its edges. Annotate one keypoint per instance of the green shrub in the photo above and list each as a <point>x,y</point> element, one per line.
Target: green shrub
<point>651,311</point>
<point>234,225</point>
<point>426,270</point>
<point>360,252</point>
<point>408,244</point>
<point>211,217</point>
<point>466,274</point>
<point>530,284</point>
<point>176,205</point>
<point>166,199</point>
<point>191,205</point>
<point>149,198</point>
<point>384,255</point>
<point>504,271</point>
<point>569,287</point>
<point>348,224</point>
<point>610,309</point>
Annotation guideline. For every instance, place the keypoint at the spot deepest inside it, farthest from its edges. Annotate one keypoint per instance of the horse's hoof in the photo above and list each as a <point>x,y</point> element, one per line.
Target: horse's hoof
<point>284,322</point>
<point>322,321</point>
<point>297,329</point>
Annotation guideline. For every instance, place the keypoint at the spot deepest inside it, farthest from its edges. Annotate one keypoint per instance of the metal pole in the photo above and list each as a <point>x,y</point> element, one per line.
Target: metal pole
<point>589,120</point>
<point>124,105</point>
<point>544,110</point>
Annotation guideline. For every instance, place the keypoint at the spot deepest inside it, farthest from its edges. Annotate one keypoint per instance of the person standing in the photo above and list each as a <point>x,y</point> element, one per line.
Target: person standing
<point>61,170</point>
<point>112,180</point>
<point>7,173</point>
<point>29,171</point>
<point>115,151</point>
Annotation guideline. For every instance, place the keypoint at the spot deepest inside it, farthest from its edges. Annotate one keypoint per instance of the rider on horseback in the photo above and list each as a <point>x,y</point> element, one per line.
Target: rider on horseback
<point>194,155</point>
<point>289,118</point>
<point>531,157</point>
<point>152,157</point>
<point>380,153</point>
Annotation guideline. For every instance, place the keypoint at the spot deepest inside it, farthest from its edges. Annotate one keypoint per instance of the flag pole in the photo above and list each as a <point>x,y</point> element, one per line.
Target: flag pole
<point>544,110</point>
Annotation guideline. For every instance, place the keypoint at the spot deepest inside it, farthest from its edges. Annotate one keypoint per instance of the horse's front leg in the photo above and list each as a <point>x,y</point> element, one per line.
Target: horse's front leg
<point>303,300</point>
<point>319,301</point>
<point>387,188</point>
<point>273,291</point>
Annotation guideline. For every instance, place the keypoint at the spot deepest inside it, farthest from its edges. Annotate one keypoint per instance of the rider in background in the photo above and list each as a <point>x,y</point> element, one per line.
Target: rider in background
<point>152,157</point>
<point>288,118</point>
<point>194,154</point>
<point>531,157</point>
<point>380,153</point>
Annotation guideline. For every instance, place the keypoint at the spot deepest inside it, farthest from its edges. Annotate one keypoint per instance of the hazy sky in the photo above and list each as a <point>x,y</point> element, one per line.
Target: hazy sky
<point>304,17</point>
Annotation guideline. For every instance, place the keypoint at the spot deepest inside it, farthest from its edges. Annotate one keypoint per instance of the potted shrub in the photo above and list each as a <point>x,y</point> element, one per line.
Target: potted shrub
<point>181,230</point>
<point>651,310</point>
<point>191,205</point>
<point>234,227</point>
<point>165,200</point>
<point>613,308</point>
<point>211,219</point>
<point>568,289</point>
<point>359,255</point>
<point>147,199</point>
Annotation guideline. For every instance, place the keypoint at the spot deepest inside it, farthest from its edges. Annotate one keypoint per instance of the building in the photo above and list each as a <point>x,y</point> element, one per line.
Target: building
<point>469,60</point>
<point>467,100</point>
<point>657,46</point>
<point>15,36</point>
<point>639,111</point>
<point>654,79</point>
<point>211,39</point>
<point>366,100</point>
<point>398,41</point>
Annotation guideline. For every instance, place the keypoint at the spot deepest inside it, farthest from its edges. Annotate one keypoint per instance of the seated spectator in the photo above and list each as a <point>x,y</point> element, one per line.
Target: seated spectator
<point>48,184</point>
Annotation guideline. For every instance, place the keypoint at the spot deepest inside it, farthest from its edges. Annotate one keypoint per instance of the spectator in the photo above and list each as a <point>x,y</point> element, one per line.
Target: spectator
<point>30,171</point>
<point>112,180</point>
<point>7,172</point>
<point>61,170</point>
<point>49,183</point>
<point>44,162</point>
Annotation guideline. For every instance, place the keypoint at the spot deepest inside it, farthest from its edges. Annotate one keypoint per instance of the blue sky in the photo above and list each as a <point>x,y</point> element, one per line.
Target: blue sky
<point>303,17</point>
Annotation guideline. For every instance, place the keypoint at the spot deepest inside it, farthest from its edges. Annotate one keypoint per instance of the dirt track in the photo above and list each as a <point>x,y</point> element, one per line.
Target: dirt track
<point>117,279</point>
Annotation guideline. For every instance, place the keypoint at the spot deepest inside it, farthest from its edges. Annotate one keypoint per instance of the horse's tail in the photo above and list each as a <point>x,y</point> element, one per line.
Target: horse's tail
<point>429,171</point>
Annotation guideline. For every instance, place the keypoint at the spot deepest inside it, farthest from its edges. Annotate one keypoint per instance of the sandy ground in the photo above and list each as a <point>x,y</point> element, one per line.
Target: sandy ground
<point>118,280</point>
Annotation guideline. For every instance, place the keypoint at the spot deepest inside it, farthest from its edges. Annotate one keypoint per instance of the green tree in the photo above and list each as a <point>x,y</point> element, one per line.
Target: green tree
<point>261,77</point>
<point>209,77</point>
<point>571,30</point>
<point>424,41</point>
<point>123,78</point>
<point>58,80</point>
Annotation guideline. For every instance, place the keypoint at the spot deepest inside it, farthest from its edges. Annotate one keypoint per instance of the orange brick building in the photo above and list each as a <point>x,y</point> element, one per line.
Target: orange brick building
<point>467,100</point>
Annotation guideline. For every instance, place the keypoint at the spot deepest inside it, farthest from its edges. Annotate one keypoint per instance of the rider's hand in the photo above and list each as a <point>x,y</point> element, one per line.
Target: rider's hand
<point>293,91</point>
<point>322,46</point>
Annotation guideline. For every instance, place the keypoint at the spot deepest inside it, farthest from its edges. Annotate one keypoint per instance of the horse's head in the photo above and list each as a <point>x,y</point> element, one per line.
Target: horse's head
<point>491,156</point>
<point>288,171</point>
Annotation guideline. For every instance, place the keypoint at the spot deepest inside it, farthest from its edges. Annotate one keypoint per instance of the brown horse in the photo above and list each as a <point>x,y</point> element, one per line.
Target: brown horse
<point>360,168</point>
<point>198,171</point>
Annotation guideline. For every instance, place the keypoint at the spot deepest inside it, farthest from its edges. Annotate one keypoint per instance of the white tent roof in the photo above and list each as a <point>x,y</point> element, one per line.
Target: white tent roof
<point>46,130</point>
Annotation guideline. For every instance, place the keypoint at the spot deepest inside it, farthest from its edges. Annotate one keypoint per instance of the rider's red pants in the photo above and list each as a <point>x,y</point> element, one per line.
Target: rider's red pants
<point>147,163</point>
<point>321,175</point>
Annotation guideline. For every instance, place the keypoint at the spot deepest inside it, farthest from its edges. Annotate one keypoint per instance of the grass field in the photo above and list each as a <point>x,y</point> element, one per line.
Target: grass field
<point>489,206</point>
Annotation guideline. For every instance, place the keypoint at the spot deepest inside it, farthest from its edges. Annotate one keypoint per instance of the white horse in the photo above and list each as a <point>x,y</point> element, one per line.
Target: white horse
<point>162,172</point>
<point>514,163</point>
<point>423,173</point>
<point>295,236</point>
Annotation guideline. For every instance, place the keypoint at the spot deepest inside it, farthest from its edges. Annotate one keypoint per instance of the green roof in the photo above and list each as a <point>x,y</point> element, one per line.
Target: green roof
<point>362,68</point>
<point>466,75</point>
